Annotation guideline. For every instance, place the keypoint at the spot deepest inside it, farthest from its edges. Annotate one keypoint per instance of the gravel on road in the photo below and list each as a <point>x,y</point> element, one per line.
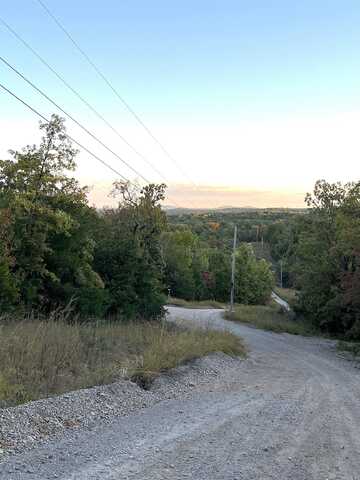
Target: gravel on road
<point>290,411</point>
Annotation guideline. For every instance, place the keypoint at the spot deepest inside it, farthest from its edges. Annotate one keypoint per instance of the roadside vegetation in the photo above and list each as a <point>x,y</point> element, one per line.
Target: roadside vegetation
<point>179,302</point>
<point>269,317</point>
<point>350,347</point>
<point>320,255</point>
<point>287,294</point>
<point>39,358</point>
<point>83,291</point>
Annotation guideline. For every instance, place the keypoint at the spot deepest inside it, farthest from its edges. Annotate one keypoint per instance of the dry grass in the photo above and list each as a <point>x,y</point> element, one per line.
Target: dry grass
<point>287,294</point>
<point>170,349</point>
<point>179,302</point>
<point>41,358</point>
<point>269,317</point>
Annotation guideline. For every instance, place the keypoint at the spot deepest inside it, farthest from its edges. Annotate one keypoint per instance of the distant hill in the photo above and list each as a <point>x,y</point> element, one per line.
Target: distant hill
<point>230,210</point>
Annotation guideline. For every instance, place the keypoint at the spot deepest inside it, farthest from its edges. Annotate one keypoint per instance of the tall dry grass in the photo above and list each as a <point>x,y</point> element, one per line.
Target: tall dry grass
<point>40,358</point>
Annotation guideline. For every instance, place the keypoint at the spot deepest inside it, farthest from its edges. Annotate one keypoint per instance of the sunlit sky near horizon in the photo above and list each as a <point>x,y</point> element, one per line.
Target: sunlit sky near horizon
<point>255,99</point>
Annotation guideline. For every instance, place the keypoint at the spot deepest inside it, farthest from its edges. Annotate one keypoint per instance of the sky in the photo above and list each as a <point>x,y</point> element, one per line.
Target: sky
<point>254,100</point>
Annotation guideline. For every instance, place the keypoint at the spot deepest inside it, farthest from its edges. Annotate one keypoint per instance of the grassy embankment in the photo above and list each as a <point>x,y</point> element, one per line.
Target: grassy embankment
<point>269,317</point>
<point>287,294</point>
<point>179,302</point>
<point>41,358</point>
<point>350,347</point>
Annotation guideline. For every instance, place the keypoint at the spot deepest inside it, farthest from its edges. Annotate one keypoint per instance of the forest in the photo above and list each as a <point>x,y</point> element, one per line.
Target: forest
<point>57,251</point>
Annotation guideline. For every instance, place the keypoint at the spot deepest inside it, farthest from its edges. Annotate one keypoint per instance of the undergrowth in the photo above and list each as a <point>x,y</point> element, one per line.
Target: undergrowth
<point>287,294</point>
<point>350,347</point>
<point>269,317</point>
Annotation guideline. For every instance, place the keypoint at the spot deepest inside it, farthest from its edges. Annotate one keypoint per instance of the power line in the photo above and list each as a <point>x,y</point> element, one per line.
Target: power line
<point>79,96</point>
<point>114,90</point>
<point>65,134</point>
<point>68,136</point>
<point>29,82</point>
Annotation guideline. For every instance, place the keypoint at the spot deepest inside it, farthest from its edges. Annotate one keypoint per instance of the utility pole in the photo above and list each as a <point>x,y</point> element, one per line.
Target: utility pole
<point>232,293</point>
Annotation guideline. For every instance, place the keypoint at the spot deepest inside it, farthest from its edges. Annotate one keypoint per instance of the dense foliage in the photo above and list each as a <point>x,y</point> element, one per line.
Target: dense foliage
<point>55,249</point>
<point>320,255</point>
<point>197,270</point>
<point>327,262</point>
<point>128,252</point>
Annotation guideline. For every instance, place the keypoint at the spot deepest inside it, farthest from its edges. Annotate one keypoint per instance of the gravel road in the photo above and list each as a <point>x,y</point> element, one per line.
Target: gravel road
<point>291,411</point>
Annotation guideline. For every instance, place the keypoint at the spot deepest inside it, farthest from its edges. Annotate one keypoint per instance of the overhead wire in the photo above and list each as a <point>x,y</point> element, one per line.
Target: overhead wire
<point>114,90</point>
<point>83,100</point>
<point>10,92</point>
<point>80,145</point>
<point>29,82</point>
<point>79,96</point>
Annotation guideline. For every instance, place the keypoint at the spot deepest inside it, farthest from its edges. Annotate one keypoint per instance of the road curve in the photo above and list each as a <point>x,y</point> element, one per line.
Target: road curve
<point>292,411</point>
<point>280,301</point>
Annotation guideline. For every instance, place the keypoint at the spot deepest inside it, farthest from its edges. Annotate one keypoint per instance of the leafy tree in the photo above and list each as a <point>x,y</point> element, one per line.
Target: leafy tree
<point>128,254</point>
<point>327,267</point>
<point>186,264</point>
<point>254,280</point>
<point>178,248</point>
<point>51,251</point>
<point>220,269</point>
<point>8,288</point>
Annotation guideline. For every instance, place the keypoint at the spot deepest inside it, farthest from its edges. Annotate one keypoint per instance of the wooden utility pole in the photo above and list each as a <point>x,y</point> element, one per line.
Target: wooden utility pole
<point>232,292</point>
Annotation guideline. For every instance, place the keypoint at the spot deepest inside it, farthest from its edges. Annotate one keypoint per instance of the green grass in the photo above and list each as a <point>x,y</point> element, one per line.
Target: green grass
<point>179,302</point>
<point>41,358</point>
<point>287,294</point>
<point>350,347</point>
<point>269,317</point>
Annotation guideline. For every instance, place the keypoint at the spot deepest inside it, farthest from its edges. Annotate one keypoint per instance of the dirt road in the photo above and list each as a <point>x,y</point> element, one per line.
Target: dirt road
<point>292,411</point>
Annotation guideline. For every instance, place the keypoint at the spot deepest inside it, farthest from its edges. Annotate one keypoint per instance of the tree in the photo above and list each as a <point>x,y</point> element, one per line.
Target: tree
<point>186,263</point>
<point>254,280</point>
<point>51,249</point>
<point>327,267</point>
<point>8,288</point>
<point>128,253</point>
<point>220,269</point>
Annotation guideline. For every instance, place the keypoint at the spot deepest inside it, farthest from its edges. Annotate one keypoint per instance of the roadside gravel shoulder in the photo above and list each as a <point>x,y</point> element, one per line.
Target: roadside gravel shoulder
<point>31,424</point>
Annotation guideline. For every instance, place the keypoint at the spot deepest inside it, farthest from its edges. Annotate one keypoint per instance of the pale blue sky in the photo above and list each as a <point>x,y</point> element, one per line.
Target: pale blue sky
<point>196,70</point>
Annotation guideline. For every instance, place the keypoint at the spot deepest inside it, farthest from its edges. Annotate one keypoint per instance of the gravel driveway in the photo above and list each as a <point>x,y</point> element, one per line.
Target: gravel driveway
<point>291,411</point>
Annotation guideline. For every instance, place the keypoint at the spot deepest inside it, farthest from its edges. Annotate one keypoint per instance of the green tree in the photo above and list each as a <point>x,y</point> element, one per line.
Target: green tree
<point>254,280</point>
<point>51,251</point>
<point>8,288</point>
<point>327,266</point>
<point>186,263</point>
<point>220,269</point>
<point>128,253</point>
